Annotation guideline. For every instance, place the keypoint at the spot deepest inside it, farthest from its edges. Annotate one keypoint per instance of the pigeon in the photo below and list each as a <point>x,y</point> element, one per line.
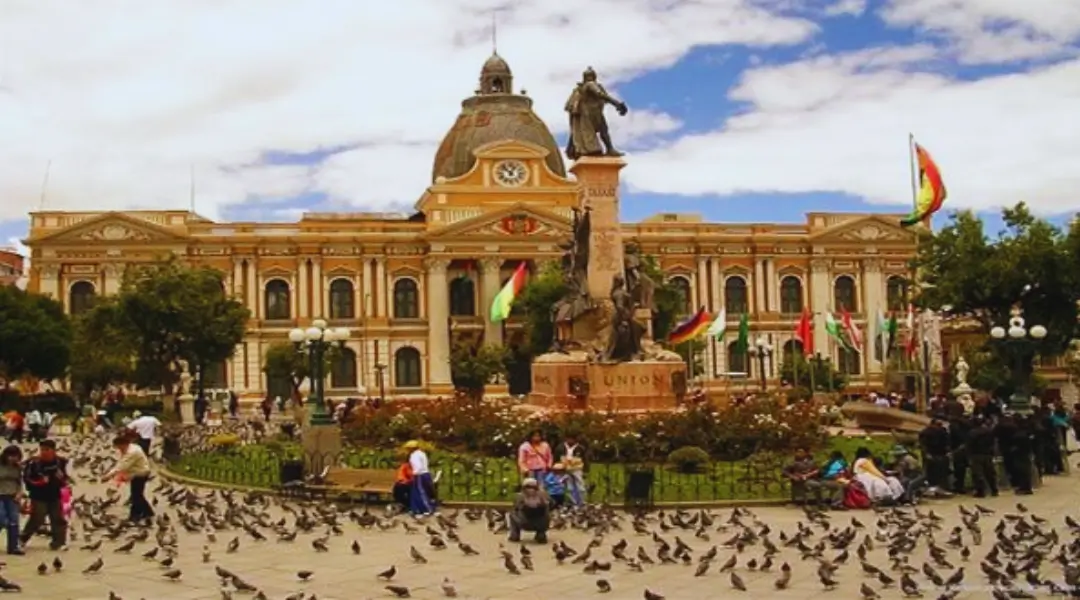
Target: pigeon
<point>448,588</point>
<point>173,574</point>
<point>94,567</point>
<point>304,575</point>
<point>388,574</point>
<point>603,586</point>
<point>399,590</point>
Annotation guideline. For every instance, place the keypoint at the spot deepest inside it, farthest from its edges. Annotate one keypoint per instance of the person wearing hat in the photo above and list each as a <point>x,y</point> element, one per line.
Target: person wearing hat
<point>907,469</point>
<point>422,492</point>
<point>531,512</point>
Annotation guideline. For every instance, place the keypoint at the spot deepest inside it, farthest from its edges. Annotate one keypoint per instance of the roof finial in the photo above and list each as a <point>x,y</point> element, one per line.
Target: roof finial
<point>495,32</point>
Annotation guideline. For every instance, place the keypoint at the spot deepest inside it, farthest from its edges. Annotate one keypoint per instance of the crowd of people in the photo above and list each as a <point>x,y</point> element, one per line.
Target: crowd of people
<point>961,445</point>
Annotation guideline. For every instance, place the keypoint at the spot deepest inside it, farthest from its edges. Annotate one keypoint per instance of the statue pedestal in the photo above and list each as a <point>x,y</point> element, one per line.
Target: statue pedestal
<point>321,445</point>
<point>599,178</point>
<point>628,386</point>
<point>187,409</point>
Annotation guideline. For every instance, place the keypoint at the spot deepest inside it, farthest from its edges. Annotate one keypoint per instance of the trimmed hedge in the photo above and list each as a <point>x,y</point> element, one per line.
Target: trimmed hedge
<point>53,402</point>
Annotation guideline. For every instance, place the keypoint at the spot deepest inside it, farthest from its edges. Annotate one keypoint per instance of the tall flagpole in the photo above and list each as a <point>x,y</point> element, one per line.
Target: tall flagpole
<point>920,389</point>
<point>44,185</point>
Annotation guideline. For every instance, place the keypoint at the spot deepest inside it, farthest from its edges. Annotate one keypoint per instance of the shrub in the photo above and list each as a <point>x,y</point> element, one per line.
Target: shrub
<point>688,459</point>
<point>224,441</point>
<point>53,402</point>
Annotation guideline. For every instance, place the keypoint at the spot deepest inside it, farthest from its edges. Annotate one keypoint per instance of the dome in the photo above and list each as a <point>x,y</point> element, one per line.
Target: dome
<point>494,114</point>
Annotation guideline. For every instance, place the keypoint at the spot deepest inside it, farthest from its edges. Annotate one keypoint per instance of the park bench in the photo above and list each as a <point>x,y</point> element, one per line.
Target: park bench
<point>346,483</point>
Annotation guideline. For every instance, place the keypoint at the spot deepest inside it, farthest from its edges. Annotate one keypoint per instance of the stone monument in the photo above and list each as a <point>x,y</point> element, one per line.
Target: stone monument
<point>602,355</point>
<point>185,398</point>
<point>963,391</point>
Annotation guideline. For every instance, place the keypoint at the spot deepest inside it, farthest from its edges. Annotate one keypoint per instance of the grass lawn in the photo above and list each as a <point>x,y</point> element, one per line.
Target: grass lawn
<point>481,479</point>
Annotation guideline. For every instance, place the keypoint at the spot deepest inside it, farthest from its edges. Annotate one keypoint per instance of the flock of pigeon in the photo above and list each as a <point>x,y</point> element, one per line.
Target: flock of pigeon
<point>892,552</point>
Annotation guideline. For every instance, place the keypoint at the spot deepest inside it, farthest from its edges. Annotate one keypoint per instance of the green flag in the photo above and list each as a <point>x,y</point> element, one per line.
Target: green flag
<point>742,344</point>
<point>832,326</point>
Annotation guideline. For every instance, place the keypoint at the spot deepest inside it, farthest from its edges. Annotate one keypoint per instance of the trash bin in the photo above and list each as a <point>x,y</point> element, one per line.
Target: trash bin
<point>291,471</point>
<point>639,492</point>
<point>170,448</point>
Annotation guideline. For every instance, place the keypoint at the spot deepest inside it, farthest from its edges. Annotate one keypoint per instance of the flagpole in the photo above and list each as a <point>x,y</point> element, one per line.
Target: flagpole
<point>920,390</point>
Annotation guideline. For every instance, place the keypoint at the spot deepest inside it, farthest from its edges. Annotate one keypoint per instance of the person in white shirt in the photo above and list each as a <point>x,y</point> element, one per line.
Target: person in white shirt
<point>133,467</point>
<point>422,494</point>
<point>34,423</point>
<point>146,426</point>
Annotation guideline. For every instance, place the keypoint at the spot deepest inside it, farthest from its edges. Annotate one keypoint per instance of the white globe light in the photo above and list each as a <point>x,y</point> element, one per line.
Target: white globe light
<point>296,336</point>
<point>313,333</point>
<point>998,333</point>
<point>329,335</point>
<point>1017,332</point>
<point>1038,332</point>
<point>320,323</point>
<point>342,333</point>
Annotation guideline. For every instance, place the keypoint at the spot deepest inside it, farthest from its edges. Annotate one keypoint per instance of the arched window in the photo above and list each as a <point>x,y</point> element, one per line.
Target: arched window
<point>278,304</point>
<point>682,285</point>
<point>736,359</point>
<point>792,350</point>
<point>462,297</point>
<point>406,299</point>
<point>844,296</point>
<point>849,361</point>
<point>342,299</point>
<point>896,292</point>
<point>791,301</point>
<point>407,367</point>
<point>735,300</point>
<point>343,369</point>
<point>216,376</point>
<point>81,297</point>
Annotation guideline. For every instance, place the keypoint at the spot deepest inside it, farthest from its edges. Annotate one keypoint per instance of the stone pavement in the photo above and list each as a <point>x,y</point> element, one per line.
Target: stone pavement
<point>339,573</point>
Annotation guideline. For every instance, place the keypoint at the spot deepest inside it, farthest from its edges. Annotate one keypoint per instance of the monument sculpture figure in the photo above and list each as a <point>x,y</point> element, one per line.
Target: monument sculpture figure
<point>962,370</point>
<point>624,343</point>
<point>575,267</point>
<point>589,134</point>
<point>638,282</point>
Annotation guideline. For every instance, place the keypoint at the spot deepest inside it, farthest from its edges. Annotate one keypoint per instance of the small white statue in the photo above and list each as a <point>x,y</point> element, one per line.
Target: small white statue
<point>185,378</point>
<point>962,369</point>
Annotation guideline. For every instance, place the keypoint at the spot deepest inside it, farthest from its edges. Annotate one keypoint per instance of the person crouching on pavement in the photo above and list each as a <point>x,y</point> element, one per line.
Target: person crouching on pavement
<point>531,512</point>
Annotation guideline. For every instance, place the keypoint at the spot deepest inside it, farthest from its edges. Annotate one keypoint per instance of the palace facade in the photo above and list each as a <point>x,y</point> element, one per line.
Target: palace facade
<point>407,285</point>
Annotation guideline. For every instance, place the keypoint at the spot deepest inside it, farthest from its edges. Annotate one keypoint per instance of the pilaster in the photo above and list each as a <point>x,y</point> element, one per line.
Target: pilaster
<point>438,310</point>
<point>873,286</point>
<point>819,303</point>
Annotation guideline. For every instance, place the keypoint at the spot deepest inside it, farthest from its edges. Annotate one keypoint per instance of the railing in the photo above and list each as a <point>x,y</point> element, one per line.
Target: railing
<point>480,479</point>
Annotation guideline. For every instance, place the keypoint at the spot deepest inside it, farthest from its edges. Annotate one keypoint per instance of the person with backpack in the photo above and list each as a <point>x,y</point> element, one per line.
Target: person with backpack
<point>45,476</point>
<point>531,512</point>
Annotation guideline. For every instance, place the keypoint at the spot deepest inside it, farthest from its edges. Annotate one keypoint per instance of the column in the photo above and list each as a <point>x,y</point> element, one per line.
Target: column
<point>381,293</point>
<point>819,303</point>
<point>49,284</point>
<point>873,286</point>
<point>301,292</point>
<point>318,289</point>
<point>705,296</point>
<point>112,278</point>
<point>772,294</point>
<point>254,299</point>
<point>366,279</point>
<point>438,310</point>
<point>491,281</point>
<point>701,290</point>
<point>717,365</point>
<point>238,277</point>
<point>294,295</point>
<point>759,287</point>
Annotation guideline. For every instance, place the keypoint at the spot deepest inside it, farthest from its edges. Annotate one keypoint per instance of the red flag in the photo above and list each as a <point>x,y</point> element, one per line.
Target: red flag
<point>912,344</point>
<point>804,332</point>
<point>852,330</point>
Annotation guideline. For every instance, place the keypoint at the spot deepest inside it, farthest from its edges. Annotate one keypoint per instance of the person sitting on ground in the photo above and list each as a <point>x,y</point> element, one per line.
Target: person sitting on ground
<point>907,469</point>
<point>531,512</point>
<point>403,482</point>
<point>555,484</point>
<point>879,486</point>
<point>833,478</point>
<point>798,474</point>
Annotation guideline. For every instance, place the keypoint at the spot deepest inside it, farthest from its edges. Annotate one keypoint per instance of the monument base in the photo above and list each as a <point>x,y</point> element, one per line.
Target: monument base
<point>628,386</point>
<point>321,445</point>
<point>187,409</point>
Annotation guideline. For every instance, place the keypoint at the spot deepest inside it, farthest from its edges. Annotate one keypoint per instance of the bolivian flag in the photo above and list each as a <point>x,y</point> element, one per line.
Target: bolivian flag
<point>931,193</point>
<point>500,306</point>
<point>690,328</point>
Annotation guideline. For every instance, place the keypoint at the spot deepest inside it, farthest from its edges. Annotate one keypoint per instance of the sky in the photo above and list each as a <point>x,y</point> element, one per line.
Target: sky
<point>741,110</point>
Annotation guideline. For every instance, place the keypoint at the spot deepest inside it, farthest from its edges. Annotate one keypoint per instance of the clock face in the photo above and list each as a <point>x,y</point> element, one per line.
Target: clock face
<point>511,173</point>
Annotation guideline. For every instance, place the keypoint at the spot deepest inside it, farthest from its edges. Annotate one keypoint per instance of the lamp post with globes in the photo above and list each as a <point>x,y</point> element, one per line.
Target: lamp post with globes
<point>315,342</point>
<point>761,350</point>
<point>1021,340</point>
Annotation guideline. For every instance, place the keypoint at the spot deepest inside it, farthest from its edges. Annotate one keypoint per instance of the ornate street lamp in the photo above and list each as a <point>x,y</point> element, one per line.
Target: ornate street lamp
<point>1021,340</point>
<point>380,372</point>
<point>761,350</point>
<point>315,342</point>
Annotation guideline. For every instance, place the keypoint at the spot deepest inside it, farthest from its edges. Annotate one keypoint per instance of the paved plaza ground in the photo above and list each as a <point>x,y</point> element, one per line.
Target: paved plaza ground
<point>272,565</point>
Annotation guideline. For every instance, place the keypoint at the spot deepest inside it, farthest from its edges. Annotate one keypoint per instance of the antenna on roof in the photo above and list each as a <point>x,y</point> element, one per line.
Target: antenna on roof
<point>495,32</point>
<point>44,185</point>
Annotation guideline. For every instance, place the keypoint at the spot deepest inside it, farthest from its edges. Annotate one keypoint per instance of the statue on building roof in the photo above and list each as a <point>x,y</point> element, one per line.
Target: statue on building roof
<point>589,134</point>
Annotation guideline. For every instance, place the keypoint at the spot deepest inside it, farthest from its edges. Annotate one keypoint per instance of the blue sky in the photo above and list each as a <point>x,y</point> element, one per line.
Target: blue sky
<point>742,110</point>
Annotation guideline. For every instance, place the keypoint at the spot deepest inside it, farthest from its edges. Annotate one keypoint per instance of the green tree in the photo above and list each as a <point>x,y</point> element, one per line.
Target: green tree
<point>283,361</point>
<point>816,373</point>
<point>35,336</point>
<point>668,300</point>
<point>541,293</point>
<point>102,349</point>
<point>1030,264</point>
<point>179,313</point>
<point>473,366</point>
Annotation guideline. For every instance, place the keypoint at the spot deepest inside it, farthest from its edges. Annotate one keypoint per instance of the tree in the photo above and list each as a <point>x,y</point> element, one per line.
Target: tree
<point>1030,264</point>
<point>179,313</point>
<point>473,366</point>
<point>35,336</point>
<point>817,373</point>
<point>667,300</point>
<point>283,361</point>
<point>102,348</point>
<point>543,290</point>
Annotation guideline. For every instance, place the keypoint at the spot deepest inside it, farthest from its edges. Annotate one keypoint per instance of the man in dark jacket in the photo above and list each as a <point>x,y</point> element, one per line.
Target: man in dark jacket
<point>959,429</point>
<point>45,475</point>
<point>980,446</point>
<point>531,512</point>
<point>934,440</point>
<point>1014,441</point>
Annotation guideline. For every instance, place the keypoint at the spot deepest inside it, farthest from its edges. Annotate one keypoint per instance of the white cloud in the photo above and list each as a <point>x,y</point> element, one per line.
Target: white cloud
<point>124,97</point>
<point>846,7</point>
<point>994,31</point>
<point>840,124</point>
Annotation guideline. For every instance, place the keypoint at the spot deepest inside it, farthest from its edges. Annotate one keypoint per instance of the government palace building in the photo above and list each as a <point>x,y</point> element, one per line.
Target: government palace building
<point>407,285</point>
